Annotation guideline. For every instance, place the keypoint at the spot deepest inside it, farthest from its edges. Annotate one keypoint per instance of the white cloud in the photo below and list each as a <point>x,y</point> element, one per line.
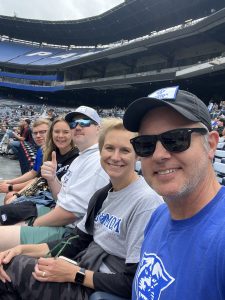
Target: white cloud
<point>55,9</point>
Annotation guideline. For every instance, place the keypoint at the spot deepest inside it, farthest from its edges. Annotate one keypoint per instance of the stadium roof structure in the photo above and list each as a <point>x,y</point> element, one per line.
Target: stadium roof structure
<point>125,21</point>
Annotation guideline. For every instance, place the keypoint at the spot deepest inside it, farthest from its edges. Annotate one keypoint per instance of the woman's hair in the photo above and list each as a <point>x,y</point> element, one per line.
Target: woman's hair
<point>49,144</point>
<point>108,124</point>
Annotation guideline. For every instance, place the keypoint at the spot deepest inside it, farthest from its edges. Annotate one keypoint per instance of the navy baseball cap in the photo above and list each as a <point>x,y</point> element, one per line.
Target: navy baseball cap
<point>185,103</point>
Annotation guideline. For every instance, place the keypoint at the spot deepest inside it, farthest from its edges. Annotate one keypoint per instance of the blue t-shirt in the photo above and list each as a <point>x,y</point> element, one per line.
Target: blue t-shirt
<point>184,259</point>
<point>38,160</point>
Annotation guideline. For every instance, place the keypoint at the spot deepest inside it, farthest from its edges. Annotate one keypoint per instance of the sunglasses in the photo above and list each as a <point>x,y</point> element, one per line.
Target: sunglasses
<point>81,122</point>
<point>176,140</point>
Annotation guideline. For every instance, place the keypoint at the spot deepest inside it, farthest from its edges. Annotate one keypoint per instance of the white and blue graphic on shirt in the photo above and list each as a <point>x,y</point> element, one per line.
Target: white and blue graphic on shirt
<point>151,277</point>
<point>62,169</point>
<point>67,177</point>
<point>111,222</point>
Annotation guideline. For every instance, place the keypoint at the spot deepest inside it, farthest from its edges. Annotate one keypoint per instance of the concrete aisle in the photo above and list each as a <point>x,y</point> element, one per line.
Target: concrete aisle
<point>8,169</point>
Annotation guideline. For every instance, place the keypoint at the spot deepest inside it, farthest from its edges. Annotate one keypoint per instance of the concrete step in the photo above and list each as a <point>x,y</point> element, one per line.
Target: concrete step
<point>8,169</point>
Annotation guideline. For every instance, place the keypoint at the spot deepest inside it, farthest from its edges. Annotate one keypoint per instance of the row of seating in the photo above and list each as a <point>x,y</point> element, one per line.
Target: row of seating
<point>27,156</point>
<point>219,161</point>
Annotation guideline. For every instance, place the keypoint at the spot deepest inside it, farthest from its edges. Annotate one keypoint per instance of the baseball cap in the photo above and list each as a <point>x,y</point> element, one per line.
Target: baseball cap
<point>84,110</point>
<point>185,103</point>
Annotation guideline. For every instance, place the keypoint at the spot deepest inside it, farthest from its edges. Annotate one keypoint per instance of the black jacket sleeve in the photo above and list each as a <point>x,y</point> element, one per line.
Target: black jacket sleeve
<point>119,283</point>
<point>73,247</point>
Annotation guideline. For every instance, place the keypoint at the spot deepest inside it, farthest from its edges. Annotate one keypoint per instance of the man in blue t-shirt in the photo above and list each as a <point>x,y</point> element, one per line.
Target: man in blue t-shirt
<point>39,132</point>
<point>182,255</point>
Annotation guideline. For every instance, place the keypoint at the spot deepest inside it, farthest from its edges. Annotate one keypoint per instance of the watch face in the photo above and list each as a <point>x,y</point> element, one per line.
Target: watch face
<point>79,278</point>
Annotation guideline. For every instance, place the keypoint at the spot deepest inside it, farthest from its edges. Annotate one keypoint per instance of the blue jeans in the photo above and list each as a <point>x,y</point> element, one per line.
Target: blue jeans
<point>15,145</point>
<point>105,296</point>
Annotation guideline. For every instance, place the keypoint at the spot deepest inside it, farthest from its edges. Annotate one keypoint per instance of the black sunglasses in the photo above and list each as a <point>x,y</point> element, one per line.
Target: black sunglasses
<point>81,122</point>
<point>176,140</point>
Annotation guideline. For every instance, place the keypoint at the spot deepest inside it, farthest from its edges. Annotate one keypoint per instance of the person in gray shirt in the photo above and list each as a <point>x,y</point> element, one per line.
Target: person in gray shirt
<point>106,243</point>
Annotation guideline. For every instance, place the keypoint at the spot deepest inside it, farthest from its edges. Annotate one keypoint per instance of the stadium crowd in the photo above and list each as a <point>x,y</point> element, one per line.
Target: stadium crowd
<point>78,214</point>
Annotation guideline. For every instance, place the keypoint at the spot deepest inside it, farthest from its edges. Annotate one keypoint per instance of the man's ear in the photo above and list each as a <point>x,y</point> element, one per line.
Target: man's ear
<point>213,140</point>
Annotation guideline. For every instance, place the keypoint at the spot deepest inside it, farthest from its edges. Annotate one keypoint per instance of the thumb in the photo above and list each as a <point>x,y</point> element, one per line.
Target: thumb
<point>54,161</point>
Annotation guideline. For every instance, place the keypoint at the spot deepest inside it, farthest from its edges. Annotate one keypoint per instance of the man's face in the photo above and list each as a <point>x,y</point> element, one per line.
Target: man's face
<point>39,134</point>
<point>85,137</point>
<point>173,175</point>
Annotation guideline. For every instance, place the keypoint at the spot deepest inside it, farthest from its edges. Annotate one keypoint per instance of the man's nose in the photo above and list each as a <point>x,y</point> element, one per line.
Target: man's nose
<point>160,152</point>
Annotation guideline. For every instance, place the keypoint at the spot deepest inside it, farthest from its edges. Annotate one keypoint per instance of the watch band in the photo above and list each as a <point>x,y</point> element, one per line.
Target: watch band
<point>80,276</point>
<point>10,188</point>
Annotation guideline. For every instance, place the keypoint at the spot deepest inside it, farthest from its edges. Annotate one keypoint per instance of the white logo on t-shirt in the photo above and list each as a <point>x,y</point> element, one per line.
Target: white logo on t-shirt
<point>151,277</point>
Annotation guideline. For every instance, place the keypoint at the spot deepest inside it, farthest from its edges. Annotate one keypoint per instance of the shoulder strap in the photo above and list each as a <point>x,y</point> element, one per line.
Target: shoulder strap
<point>95,205</point>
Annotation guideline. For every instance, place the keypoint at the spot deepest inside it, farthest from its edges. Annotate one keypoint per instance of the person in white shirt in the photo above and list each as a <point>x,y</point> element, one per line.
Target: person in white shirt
<point>84,176</point>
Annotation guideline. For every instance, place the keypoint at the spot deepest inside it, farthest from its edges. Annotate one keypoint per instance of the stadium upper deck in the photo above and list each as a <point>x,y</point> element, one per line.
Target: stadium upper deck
<point>157,48</point>
<point>129,20</point>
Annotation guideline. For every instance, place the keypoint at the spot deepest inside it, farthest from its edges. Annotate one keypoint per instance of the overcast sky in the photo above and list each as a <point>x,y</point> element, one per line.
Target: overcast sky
<point>55,9</point>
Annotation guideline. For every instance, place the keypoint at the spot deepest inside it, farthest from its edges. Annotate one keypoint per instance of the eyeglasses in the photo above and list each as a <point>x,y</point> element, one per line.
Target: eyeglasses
<point>41,132</point>
<point>81,122</point>
<point>176,140</point>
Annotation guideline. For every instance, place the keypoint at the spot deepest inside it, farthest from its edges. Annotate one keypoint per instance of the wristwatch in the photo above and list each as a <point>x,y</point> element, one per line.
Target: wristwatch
<point>80,276</point>
<point>10,188</point>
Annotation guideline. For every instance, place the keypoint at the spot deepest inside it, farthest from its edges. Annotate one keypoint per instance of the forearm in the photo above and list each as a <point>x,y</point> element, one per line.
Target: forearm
<point>39,250</point>
<point>117,283</point>
<point>55,186</point>
<point>24,178</point>
<point>18,137</point>
<point>56,217</point>
<point>19,187</point>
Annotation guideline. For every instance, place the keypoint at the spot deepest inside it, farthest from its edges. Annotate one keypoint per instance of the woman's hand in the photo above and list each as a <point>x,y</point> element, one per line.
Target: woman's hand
<point>5,258</point>
<point>48,169</point>
<point>54,270</point>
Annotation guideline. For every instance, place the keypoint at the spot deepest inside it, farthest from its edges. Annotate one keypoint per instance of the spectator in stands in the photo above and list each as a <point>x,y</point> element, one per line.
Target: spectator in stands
<point>182,256</point>
<point>59,139</point>
<point>51,114</point>
<point>25,134</point>
<point>39,132</point>
<point>84,176</point>
<point>109,236</point>
<point>221,126</point>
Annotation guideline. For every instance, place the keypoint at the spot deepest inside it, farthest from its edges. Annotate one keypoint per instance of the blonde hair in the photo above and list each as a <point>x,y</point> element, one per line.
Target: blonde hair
<point>40,121</point>
<point>49,144</point>
<point>107,125</point>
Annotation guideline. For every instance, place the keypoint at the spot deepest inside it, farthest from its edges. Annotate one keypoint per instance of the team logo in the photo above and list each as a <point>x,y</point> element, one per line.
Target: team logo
<point>169,93</point>
<point>151,278</point>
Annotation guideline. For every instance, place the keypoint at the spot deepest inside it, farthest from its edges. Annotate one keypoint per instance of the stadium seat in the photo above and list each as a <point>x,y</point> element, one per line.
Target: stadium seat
<point>220,171</point>
<point>219,155</point>
<point>220,145</point>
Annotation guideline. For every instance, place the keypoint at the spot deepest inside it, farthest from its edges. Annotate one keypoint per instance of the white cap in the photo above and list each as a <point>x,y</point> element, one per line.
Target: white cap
<point>84,110</point>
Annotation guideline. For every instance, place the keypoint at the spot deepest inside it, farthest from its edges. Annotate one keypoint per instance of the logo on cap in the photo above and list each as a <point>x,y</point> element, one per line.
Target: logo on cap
<point>169,93</point>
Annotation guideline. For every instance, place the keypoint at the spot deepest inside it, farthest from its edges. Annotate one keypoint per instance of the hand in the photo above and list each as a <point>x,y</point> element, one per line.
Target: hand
<point>48,169</point>
<point>4,186</point>
<point>54,270</point>
<point>5,258</point>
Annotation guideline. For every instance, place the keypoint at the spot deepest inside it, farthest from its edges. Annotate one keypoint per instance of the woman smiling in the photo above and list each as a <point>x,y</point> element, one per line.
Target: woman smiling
<point>105,244</point>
